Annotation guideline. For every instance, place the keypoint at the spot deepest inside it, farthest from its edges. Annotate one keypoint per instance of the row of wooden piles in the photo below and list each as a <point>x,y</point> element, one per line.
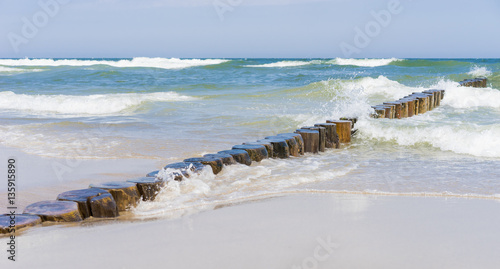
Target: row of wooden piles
<point>475,82</point>
<point>107,200</point>
<point>410,105</point>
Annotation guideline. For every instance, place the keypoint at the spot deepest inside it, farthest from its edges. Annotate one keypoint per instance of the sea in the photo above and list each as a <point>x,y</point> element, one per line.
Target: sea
<point>133,115</point>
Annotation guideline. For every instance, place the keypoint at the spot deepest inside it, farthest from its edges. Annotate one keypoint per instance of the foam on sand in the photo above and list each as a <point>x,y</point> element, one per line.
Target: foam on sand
<point>165,63</point>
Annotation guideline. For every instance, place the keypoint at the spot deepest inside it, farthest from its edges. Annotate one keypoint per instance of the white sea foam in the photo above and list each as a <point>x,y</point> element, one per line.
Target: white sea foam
<point>364,62</point>
<point>238,183</point>
<point>468,97</point>
<point>282,64</point>
<point>478,71</point>
<point>459,137</point>
<point>9,70</point>
<point>165,63</point>
<point>99,104</point>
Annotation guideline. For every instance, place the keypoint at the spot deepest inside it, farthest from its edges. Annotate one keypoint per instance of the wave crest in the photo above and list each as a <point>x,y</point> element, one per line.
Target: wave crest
<point>99,104</point>
<point>364,62</point>
<point>165,63</point>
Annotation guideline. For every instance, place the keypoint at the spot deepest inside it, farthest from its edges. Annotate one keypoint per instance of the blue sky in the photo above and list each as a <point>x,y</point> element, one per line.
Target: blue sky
<point>246,28</point>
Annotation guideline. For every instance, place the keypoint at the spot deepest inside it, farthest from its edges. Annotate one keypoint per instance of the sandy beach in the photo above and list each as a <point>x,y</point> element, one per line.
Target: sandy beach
<point>292,231</point>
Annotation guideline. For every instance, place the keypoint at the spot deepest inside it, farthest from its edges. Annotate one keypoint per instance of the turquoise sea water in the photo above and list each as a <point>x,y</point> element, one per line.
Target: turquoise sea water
<point>162,110</point>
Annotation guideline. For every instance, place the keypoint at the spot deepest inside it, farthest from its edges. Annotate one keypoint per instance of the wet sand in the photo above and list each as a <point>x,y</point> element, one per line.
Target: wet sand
<point>292,231</point>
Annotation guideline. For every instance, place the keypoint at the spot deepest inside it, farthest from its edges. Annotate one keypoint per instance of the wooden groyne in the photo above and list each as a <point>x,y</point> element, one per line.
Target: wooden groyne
<point>107,200</point>
<point>410,105</point>
<point>476,82</point>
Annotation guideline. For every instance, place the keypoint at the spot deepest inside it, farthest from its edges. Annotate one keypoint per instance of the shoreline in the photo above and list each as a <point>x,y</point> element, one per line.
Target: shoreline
<point>282,232</point>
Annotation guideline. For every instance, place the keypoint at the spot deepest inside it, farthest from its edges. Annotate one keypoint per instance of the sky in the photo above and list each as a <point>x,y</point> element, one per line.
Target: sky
<point>250,28</point>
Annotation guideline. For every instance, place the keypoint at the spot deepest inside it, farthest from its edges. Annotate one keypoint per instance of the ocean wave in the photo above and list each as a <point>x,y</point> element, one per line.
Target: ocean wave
<point>10,70</point>
<point>468,97</point>
<point>459,137</point>
<point>282,64</point>
<point>477,71</point>
<point>99,104</point>
<point>364,62</point>
<point>165,63</point>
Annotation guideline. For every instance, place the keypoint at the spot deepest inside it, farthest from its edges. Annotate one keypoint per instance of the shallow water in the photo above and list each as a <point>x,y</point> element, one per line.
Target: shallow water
<point>154,111</point>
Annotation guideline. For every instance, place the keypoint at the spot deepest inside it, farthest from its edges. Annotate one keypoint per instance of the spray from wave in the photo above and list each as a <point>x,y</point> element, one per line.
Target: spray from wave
<point>165,63</point>
<point>99,104</point>
<point>477,71</point>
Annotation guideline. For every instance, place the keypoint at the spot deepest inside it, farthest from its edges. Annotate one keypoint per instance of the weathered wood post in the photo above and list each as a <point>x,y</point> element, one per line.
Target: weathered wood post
<point>280,147</point>
<point>125,194</point>
<point>397,109</point>
<point>267,144</point>
<point>216,163</point>
<point>379,112</point>
<point>21,221</point>
<point>293,146</point>
<point>257,152</point>
<point>332,138</point>
<point>343,130</point>
<point>311,140</point>
<point>227,159</point>
<point>239,155</point>
<point>148,187</point>
<point>298,139</point>
<point>60,211</point>
<point>322,135</point>
<point>92,202</point>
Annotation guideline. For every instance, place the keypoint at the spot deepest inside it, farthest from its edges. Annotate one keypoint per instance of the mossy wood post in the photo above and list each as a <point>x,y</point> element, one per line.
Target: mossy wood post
<point>60,211</point>
<point>257,152</point>
<point>20,221</point>
<point>148,187</point>
<point>126,194</point>
<point>94,202</point>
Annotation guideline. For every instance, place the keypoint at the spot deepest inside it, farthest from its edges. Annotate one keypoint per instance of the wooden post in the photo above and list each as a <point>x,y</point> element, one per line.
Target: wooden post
<point>97,203</point>
<point>148,187</point>
<point>257,152</point>
<point>239,155</point>
<point>227,159</point>
<point>332,138</point>
<point>60,211</point>
<point>280,147</point>
<point>298,139</point>
<point>379,112</point>
<point>182,169</point>
<point>22,221</point>
<point>293,146</point>
<point>125,194</point>
<point>215,163</point>
<point>322,135</point>
<point>343,130</point>
<point>311,140</point>
<point>397,109</point>
<point>410,103</point>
